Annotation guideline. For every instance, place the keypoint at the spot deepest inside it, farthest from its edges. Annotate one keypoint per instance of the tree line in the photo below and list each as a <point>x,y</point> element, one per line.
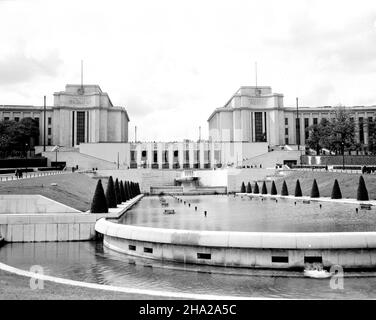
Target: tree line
<point>17,137</point>
<point>337,134</point>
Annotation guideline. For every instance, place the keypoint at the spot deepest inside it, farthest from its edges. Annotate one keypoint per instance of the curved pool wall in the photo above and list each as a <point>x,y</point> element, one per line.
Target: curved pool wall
<point>242,249</point>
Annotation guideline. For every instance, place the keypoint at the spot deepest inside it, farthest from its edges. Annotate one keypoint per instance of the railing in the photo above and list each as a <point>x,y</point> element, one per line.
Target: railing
<point>31,175</point>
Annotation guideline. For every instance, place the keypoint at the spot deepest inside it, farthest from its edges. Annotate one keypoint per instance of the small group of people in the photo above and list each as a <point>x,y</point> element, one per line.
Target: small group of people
<point>368,170</point>
<point>18,173</point>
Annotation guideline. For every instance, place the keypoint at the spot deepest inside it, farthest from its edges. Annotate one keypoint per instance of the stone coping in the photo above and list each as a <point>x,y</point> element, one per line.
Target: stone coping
<point>323,199</point>
<point>232,239</point>
<point>79,217</point>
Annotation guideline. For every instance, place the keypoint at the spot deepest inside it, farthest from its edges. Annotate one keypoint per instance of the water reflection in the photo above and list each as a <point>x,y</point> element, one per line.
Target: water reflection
<point>243,214</point>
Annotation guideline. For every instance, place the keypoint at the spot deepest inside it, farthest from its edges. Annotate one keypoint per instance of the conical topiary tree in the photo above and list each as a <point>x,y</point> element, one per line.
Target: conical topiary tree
<point>264,190</point>
<point>249,188</point>
<point>130,189</point>
<point>122,192</point>
<point>99,203</point>
<point>298,190</point>
<point>126,189</point>
<point>242,188</point>
<point>315,190</point>
<point>362,194</point>
<point>336,191</point>
<point>256,188</point>
<point>138,188</point>
<point>110,193</point>
<point>117,191</point>
<point>284,191</point>
<point>273,190</point>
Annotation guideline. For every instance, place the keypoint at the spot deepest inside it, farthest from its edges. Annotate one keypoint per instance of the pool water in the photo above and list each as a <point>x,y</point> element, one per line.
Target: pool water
<point>91,262</point>
<point>229,213</point>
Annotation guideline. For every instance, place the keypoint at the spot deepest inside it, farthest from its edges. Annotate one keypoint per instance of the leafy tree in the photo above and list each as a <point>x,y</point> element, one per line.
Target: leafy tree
<point>284,191</point>
<point>249,188</point>
<point>362,193</point>
<point>315,190</point>
<point>16,135</point>
<point>99,202</point>
<point>110,194</point>
<point>336,191</point>
<point>298,190</point>
<point>343,131</point>
<point>273,190</point>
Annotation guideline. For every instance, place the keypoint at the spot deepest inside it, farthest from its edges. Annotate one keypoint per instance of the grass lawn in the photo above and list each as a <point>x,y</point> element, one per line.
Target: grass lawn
<point>73,189</point>
<point>325,180</point>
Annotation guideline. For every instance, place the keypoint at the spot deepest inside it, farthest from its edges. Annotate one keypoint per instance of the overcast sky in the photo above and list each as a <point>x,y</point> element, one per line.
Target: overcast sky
<point>171,63</point>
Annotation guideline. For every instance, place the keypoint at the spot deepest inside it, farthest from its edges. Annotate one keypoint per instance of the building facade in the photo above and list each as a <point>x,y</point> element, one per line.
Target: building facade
<point>255,114</point>
<point>80,114</point>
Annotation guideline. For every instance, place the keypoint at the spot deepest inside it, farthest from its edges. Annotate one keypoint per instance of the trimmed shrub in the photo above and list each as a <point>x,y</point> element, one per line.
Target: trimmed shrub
<point>117,191</point>
<point>249,188</point>
<point>138,188</point>
<point>362,193</point>
<point>110,193</point>
<point>273,190</point>
<point>242,188</point>
<point>99,203</point>
<point>298,190</point>
<point>126,189</point>
<point>122,192</point>
<point>336,191</point>
<point>256,188</point>
<point>315,190</point>
<point>264,190</point>
<point>284,191</point>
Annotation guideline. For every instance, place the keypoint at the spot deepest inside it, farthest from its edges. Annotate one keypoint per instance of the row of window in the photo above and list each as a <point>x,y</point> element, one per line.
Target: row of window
<point>49,119</point>
<point>165,155</point>
<point>275,258</point>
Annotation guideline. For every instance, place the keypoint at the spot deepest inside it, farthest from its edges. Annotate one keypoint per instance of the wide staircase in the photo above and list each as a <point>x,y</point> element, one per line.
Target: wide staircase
<point>272,158</point>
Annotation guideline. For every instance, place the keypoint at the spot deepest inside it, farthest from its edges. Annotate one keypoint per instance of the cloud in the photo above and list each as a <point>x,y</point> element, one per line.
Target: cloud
<point>19,68</point>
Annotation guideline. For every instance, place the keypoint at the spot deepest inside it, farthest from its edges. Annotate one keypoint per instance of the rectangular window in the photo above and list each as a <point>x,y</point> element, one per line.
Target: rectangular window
<point>16,119</point>
<point>132,248</point>
<point>280,259</point>
<point>286,140</point>
<point>49,131</point>
<point>148,250</point>
<point>313,259</point>
<point>49,120</point>
<point>206,256</point>
<point>133,155</point>
<point>315,121</point>
<point>286,131</point>
<point>286,121</point>
<point>306,125</point>
<point>80,126</point>
<point>6,118</point>
<point>49,142</point>
<point>143,154</point>
<point>258,127</point>
<point>37,120</point>
<point>155,156</point>
<point>166,156</point>
<point>186,156</point>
